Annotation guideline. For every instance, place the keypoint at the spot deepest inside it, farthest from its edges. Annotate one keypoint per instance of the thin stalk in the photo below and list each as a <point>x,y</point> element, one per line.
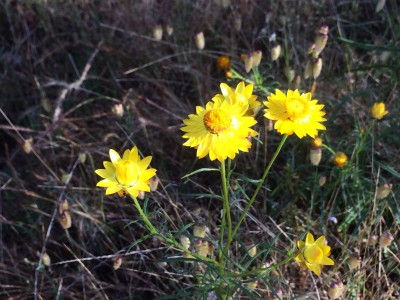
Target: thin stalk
<point>170,241</point>
<point>227,209</point>
<point>246,209</point>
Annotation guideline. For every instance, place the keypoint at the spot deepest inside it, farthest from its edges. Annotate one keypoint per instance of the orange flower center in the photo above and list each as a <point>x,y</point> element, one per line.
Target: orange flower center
<point>313,254</point>
<point>216,121</point>
<point>295,108</point>
<point>126,172</point>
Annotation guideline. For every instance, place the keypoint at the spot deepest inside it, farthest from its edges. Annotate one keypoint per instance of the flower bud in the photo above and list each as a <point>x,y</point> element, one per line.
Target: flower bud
<point>354,261</point>
<point>27,146</point>
<point>383,191</point>
<point>186,255</point>
<point>223,62</point>
<point>228,74</point>
<point>248,62</point>
<point>386,239</point>
<point>170,30</point>
<point>290,74</point>
<point>199,230</point>
<point>141,195</point>
<point>63,206</point>
<point>157,33</point>
<point>321,40</point>
<point>202,248</point>
<point>154,183</point>
<point>199,40</point>
<point>251,249</point>
<point>257,56</point>
<point>46,259</point>
<point>118,110</point>
<point>317,67</point>
<point>315,156</point>
<point>308,70</point>
<point>82,157</point>
<point>336,290</point>
<point>276,52</point>
<point>65,219</point>
<point>117,262</point>
<point>185,242</point>
<point>373,239</point>
<point>378,110</point>
<point>322,180</point>
<point>234,184</point>
<point>340,159</point>
<point>296,82</point>
<point>316,142</point>
<point>252,285</point>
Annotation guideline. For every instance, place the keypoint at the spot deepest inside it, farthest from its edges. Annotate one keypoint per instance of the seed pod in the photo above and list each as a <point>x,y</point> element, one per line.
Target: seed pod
<point>199,230</point>
<point>185,242</point>
<point>354,261</point>
<point>308,70</point>
<point>63,205</point>
<point>317,67</point>
<point>248,63</point>
<point>257,56</point>
<point>154,183</point>
<point>373,239</point>
<point>65,219</point>
<point>46,259</point>
<point>27,146</point>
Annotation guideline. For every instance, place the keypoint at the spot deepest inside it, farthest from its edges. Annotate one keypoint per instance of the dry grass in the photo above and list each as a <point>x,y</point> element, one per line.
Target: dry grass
<point>64,67</point>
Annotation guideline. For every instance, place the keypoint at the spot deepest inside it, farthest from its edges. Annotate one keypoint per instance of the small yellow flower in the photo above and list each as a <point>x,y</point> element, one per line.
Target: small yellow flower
<point>378,110</point>
<point>340,159</point>
<point>223,62</point>
<point>313,254</point>
<point>316,143</point>
<point>219,130</point>
<point>128,174</point>
<point>295,113</point>
<point>242,93</point>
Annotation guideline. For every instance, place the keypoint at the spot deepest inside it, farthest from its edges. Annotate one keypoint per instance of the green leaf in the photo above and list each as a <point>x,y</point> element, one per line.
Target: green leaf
<point>201,170</point>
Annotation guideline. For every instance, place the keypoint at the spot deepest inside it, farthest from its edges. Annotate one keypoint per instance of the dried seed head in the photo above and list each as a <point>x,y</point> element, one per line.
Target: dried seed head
<point>154,183</point>
<point>65,219</point>
<point>354,261</point>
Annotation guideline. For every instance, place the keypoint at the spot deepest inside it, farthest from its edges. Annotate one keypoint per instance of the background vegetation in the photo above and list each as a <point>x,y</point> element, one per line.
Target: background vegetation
<point>66,64</point>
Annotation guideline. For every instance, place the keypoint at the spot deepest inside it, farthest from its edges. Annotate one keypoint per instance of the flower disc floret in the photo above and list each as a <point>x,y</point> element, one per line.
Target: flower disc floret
<point>126,175</point>
<point>313,254</point>
<point>219,130</point>
<point>295,113</point>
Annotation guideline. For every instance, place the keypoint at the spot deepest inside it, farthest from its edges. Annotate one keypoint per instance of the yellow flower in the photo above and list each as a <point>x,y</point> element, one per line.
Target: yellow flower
<point>378,110</point>
<point>128,174</point>
<point>223,62</point>
<point>219,130</point>
<point>313,254</point>
<point>340,159</point>
<point>242,93</point>
<point>295,113</point>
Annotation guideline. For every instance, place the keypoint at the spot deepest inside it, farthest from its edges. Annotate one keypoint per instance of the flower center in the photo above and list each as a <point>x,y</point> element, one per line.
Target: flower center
<point>126,172</point>
<point>313,254</point>
<point>216,120</point>
<point>295,108</point>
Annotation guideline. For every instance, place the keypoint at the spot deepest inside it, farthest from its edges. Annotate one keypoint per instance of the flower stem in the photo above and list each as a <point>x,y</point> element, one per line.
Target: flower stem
<point>246,209</point>
<point>227,210</point>
<point>170,241</point>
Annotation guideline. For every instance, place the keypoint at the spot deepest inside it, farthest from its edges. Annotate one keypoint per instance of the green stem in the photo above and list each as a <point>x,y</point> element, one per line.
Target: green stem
<point>227,210</point>
<point>170,241</point>
<point>246,209</point>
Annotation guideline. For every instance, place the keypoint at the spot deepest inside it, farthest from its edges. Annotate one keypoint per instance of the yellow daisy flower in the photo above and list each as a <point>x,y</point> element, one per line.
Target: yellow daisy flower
<point>219,130</point>
<point>242,93</point>
<point>128,174</point>
<point>340,159</point>
<point>313,254</point>
<point>223,62</point>
<point>295,113</point>
<point>378,110</point>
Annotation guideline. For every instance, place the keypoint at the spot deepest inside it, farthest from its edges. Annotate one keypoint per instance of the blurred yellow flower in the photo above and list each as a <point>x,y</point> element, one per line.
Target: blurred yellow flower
<point>340,159</point>
<point>242,93</point>
<point>220,129</point>
<point>378,110</point>
<point>128,174</point>
<point>295,113</point>
<point>313,254</point>
<point>223,62</point>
